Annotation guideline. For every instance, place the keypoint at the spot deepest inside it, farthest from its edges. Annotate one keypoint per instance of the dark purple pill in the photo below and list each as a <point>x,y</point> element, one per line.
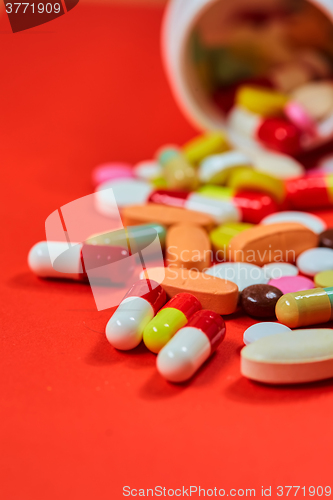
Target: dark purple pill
<point>259,301</point>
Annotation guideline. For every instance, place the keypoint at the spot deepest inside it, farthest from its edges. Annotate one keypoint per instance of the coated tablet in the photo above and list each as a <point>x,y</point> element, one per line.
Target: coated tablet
<point>218,295</point>
<point>276,242</point>
<point>289,358</point>
<point>259,301</point>
<point>292,284</point>
<point>324,279</point>
<point>188,246</point>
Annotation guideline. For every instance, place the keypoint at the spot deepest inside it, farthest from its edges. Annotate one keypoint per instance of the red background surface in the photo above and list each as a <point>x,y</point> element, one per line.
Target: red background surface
<point>78,419</point>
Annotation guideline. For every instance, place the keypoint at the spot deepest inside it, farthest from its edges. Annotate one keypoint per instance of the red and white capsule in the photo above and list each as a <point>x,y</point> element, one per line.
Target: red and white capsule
<point>142,301</point>
<point>192,345</point>
<point>58,259</point>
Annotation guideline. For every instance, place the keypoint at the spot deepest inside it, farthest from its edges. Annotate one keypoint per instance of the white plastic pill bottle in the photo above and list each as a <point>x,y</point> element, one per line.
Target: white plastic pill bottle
<point>208,45</point>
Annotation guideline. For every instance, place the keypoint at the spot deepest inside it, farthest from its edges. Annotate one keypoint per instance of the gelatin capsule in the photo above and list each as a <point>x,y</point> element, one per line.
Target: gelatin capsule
<point>136,237</point>
<point>173,316</point>
<point>125,328</point>
<point>191,346</point>
<point>216,169</point>
<point>311,191</point>
<point>253,206</point>
<point>261,100</point>
<point>73,262</point>
<point>204,145</point>
<point>305,308</point>
<point>244,179</point>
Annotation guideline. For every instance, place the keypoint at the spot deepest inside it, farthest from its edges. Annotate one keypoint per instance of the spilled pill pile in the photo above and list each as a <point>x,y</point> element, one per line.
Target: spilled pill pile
<point>231,240</point>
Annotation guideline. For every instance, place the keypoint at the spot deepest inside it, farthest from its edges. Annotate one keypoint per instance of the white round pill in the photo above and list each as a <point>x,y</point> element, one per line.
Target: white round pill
<point>240,273</point>
<point>316,224</point>
<point>315,260</point>
<point>277,270</point>
<point>261,330</point>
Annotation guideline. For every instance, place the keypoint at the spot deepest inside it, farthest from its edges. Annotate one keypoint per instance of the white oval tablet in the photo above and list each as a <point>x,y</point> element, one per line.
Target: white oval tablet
<point>278,165</point>
<point>148,170</point>
<point>290,358</point>
<point>125,192</point>
<point>315,260</point>
<point>277,270</point>
<point>240,273</point>
<point>261,330</point>
<point>316,224</point>
<point>217,164</point>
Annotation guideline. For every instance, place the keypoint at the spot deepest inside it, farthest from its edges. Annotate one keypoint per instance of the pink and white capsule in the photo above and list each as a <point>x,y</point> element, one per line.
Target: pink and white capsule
<point>192,345</point>
<point>140,304</point>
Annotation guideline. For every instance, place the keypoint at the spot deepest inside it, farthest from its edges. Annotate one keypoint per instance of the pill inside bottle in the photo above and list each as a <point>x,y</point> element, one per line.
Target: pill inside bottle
<point>255,67</point>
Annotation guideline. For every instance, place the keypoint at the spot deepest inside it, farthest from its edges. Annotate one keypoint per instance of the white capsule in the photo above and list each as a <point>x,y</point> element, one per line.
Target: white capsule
<point>66,260</point>
<point>181,357</point>
<point>222,211</point>
<point>125,328</point>
<point>316,224</point>
<point>216,166</point>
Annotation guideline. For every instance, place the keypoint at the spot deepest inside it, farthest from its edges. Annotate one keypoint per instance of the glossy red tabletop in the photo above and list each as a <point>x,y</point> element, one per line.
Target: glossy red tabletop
<point>79,420</point>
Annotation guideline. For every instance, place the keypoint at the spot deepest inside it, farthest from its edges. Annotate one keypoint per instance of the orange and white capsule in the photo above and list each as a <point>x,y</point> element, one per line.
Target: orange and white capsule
<point>192,345</point>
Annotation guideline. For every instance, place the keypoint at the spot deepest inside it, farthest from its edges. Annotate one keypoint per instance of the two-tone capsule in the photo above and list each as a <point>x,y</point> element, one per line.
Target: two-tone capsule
<point>57,259</point>
<point>173,316</point>
<point>222,203</point>
<point>309,307</point>
<point>140,304</point>
<point>310,191</point>
<point>191,346</point>
<point>135,238</point>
